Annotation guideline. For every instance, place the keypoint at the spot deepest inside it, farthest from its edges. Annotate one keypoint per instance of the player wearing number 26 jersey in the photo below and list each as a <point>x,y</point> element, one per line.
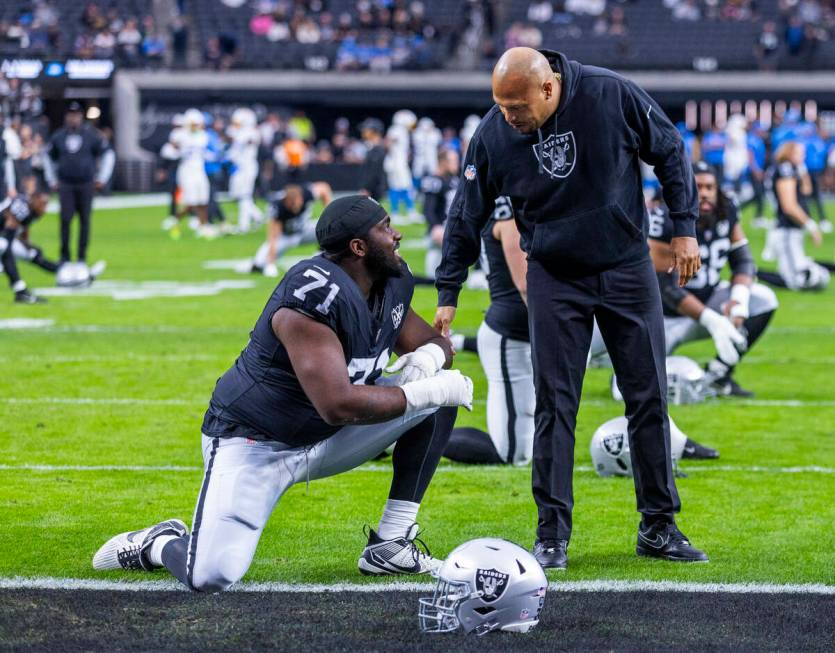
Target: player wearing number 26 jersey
<point>733,314</point>
<point>305,400</point>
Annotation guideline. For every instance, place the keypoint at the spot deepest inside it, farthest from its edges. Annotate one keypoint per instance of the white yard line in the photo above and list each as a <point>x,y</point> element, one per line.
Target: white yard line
<point>49,583</point>
<point>443,469</point>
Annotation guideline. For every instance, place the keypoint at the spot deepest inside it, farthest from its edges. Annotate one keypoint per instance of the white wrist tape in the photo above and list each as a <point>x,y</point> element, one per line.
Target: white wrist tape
<point>741,294</point>
<point>811,226</point>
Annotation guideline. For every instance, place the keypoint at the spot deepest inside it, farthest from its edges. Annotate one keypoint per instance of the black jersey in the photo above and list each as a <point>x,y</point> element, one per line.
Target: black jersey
<point>292,221</point>
<point>507,314</point>
<point>438,192</point>
<point>75,151</point>
<point>260,397</point>
<point>787,170</point>
<point>714,244</point>
<point>19,210</point>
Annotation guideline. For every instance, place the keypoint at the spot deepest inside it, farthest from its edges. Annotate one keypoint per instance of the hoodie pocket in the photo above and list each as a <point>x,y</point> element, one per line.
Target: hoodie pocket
<point>586,243</point>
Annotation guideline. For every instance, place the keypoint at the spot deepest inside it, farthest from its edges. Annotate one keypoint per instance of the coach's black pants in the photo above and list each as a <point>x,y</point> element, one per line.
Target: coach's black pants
<point>75,198</point>
<point>627,304</point>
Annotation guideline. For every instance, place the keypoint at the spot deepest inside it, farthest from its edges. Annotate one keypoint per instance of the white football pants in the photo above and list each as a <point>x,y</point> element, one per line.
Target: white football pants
<point>798,270</point>
<point>510,394</point>
<point>244,479</point>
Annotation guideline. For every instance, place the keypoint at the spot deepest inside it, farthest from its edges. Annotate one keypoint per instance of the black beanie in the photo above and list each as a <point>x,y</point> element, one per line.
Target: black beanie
<point>347,218</point>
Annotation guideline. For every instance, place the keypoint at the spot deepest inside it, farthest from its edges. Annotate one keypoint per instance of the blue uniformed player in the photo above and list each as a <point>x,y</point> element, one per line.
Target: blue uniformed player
<point>305,400</point>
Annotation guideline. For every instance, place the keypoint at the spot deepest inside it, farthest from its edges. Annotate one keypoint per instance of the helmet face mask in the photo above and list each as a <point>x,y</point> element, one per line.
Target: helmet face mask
<point>485,584</point>
<point>687,383</point>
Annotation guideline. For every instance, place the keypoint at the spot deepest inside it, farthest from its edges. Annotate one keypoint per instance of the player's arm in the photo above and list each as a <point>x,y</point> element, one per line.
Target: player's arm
<point>786,188</point>
<point>316,355</point>
<point>313,347</point>
<point>422,351</point>
<point>743,270</point>
<point>322,191</point>
<point>507,233</point>
<point>673,296</point>
<point>275,229</point>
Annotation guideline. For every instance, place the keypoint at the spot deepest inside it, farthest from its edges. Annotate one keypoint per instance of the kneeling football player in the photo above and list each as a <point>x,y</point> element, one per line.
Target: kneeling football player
<point>305,400</point>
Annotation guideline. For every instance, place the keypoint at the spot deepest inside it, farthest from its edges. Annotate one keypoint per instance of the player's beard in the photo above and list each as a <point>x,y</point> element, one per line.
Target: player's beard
<point>707,218</point>
<point>383,263</point>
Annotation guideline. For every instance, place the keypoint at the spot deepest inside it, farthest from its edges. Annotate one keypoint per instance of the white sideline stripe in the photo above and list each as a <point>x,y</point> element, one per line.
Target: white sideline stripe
<point>785,403</point>
<point>49,583</point>
<point>96,358</point>
<point>809,469</point>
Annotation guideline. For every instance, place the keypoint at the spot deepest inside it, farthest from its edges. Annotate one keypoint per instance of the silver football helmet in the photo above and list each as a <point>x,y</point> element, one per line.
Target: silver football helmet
<point>687,383</point>
<point>484,585</point>
<point>610,447</point>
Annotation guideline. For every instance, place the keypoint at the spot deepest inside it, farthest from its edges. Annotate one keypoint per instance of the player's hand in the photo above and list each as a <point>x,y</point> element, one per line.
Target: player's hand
<point>270,270</point>
<point>422,363</point>
<point>729,342</point>
<point>444,316</point>
<point>814,231</point>
<point>733,310</point>
<point>436,234</point>
<point>98,185</point>
<point>446,388</point>
<point>11,192</point>
<point>685,258</point>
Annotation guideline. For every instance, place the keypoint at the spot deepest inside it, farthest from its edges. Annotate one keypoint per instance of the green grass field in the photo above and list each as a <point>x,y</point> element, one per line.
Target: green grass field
<point>125,383</point>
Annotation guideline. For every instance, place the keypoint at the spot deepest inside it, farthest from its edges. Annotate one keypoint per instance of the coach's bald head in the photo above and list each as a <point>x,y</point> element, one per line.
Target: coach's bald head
<point>525,88</point>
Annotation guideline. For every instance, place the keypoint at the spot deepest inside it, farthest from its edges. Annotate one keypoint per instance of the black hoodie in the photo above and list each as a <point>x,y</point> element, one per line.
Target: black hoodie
<point>577,197</point>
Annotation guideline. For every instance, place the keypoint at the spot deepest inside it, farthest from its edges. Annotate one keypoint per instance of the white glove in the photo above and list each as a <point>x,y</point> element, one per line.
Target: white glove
<point>423,362</point>
<point>270,270</point>
<point>729,342</point>
<point>446,388</point>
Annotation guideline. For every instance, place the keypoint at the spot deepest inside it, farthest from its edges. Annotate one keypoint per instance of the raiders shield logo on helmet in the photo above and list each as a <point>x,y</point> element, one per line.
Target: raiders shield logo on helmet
<point>557,154</point>
<point>491,583</point>
<point>613,444</point>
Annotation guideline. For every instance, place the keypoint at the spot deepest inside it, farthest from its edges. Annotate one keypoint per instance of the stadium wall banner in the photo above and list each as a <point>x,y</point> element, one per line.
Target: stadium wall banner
<point>67,70</point>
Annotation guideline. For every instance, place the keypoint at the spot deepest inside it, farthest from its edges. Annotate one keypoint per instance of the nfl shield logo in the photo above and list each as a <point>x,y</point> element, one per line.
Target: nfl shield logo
<point>557,154</point>
<point>613,444</point>
<point>397,315</point>
<point>491,583</point>
<point>469,172</point>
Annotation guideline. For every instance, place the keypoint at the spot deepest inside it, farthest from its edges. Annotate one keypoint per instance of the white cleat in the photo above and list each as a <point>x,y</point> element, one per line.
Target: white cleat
<point>825,226</point>
<point>400,556</point>
<point>169,223</point>
<point>128,550</point>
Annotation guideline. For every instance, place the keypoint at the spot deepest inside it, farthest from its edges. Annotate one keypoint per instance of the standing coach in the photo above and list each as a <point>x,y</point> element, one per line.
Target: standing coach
<point>563,142</point>
<point>71,169</point>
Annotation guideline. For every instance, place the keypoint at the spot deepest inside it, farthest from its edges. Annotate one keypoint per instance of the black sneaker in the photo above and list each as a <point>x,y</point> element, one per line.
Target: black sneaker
<point>664,540</point>
<point>398,556</point>
<point>698,451</point>
<point>26,297</point>
<point>551,554</point>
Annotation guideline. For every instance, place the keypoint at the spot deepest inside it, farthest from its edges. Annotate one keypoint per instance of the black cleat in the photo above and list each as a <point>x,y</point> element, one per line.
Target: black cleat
<point>26,297</point>
<point>698,451</point>
<point>726,386</point>
<point>551,554</point>
<point>664,540</point>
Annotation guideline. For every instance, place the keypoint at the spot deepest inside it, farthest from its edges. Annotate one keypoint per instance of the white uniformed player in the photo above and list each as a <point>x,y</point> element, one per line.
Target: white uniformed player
<point>736,159</point>
<point>426,140</point>
<point>191,144</point>
<point>243,153</point>
<point>290,224</point>
<point>304,400</point>
<point>790,184</point>
<point>396,166</point>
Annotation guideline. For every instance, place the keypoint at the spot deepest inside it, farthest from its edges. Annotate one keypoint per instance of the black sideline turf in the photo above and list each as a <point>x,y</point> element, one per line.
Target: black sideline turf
<point>64,620</point>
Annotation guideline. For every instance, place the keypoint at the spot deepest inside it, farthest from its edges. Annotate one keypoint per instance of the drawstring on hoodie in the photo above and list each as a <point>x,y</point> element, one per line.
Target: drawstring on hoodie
<point>552,149</point>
